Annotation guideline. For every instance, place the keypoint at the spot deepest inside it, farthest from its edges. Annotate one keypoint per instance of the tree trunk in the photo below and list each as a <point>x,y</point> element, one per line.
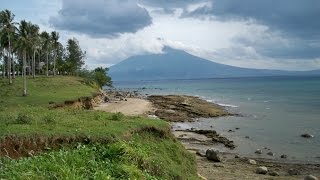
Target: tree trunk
<point>4,65</point>
<point>47,64</point>
<point>34,65</point>
<point>24,93</point>
<point>39,72</point>
<point>54,64</point>
<point>13,67</point>
<point>9,61</point>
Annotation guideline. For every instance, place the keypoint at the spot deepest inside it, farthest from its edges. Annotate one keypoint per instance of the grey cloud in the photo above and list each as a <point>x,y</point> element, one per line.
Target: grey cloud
<point>295,17</point>
<point>101,18</point>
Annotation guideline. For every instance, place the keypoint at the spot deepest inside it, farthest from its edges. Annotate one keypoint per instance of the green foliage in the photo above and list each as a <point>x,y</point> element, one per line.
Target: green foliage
<point>117,116</point>
<point>98,76</point>
<point>74,56</point>
<point>23,118</point>
<point>145,156</point>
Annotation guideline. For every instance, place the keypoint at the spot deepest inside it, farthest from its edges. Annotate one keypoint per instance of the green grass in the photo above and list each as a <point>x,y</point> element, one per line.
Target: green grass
<point>131,153</point>
<point>43,90</point>
<point>145,156</point>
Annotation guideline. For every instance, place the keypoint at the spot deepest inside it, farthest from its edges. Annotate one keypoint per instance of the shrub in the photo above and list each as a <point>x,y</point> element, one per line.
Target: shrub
<point>117,116</point>
<point>23,119</point>
<point>49,119</point>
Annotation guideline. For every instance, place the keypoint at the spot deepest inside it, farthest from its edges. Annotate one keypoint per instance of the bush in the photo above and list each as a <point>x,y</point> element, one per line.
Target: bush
<point>117,116</point>
<point>23,119</point>
<point>49,119</point>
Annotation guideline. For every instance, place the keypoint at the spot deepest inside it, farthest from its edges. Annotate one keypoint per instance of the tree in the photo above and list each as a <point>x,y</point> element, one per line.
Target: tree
<point>46,45</point>
<point>101,77</point>
<point>24,43</point>
<point>34,33</point>
<point>8,28</point>
<point>74,56</point>
<point>55,46</point>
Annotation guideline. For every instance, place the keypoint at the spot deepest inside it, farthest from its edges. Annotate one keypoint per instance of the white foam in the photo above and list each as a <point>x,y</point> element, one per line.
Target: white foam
<point>227,105</point>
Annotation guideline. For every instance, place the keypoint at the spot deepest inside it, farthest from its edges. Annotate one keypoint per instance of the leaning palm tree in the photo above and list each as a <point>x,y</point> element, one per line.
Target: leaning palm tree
<point>46,45</point>
<point>8,28</point>
<point>24,43</point>
<point>55,46</point>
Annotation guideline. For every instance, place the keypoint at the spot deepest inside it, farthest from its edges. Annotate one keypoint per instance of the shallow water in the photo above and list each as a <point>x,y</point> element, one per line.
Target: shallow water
<point>277,110</point>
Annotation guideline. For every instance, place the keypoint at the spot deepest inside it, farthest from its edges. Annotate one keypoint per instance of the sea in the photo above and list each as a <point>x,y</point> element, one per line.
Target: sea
<point>275,111</point>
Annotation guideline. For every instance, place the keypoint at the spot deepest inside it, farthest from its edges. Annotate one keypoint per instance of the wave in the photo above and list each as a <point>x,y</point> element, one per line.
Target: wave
<point>227,105</point>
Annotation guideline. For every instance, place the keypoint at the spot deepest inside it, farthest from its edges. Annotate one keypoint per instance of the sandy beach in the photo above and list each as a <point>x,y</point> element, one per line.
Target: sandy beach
<point>130,107</point>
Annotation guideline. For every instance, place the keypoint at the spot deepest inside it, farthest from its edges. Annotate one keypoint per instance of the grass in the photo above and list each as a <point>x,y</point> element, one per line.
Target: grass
<point>140,148</point>
<point>43,90</point>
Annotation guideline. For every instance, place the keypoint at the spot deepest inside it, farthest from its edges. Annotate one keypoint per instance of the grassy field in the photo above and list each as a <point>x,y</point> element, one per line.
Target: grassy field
<point>131,147</point>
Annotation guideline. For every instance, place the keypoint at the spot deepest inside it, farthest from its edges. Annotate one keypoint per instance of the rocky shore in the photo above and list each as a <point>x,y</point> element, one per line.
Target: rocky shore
<point>213,164</point>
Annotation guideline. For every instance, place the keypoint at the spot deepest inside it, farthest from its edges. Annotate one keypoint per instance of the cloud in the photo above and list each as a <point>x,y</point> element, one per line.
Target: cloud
<point>296,17</point>
<point>101,18</point>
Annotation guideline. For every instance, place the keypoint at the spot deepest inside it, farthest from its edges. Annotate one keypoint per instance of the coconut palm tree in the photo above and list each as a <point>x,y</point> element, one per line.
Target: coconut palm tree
<point>24,43</point>
<point>46,45</point>
<point>34,32</point>
<point>55,46</point>
<point>8,28</point>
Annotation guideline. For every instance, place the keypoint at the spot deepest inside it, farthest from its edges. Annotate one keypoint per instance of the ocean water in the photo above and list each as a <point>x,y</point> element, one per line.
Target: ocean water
<point>276,111</point>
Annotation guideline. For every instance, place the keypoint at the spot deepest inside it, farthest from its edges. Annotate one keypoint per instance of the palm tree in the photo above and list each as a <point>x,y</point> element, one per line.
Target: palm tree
<point>8,27</point>
<point>46,46</point>
<point>55,46</point>
<point>24,42</point>
<point>34,30</point>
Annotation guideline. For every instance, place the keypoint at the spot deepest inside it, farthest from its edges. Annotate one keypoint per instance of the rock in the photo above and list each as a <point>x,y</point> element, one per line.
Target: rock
<point>251,161</point>
<point>237,156</point>
<point>237,128</point>
<point>201,153</point>
<point>274,173</point>
<point>230,130</point>
<point>213,155</point>
<point>293,172</point>
<point>307,135</point>
<point>258,151</point>
<point>283,156</point>
<point>270,154</point>
<point>247,137</point>
<point>211,126</point>
<point>262,170</point>
<point>106,99</point>
<point>310,177</point>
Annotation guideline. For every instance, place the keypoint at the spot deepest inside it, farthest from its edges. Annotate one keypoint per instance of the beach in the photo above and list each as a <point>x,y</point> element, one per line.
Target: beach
<point>197,141</point>
<point>130,107</point>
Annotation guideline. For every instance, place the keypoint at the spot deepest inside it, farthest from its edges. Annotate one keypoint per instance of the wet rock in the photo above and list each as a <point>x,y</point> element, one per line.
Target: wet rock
<point>270,154</point>
<point>213,155</point>
<point>258,151</point>
<point>262,170</point>
<point>310,177</point>
<point>230,130</point>
<point>226,142</point>
<point>201,153</point>
<point>237,128</point>
<point>293,172</point>
<point>247,137</point>
<point>237,156</point>
<point>283,156</point>
<point>251,161</point>
<point>273,173</point>
<point>307,135</point>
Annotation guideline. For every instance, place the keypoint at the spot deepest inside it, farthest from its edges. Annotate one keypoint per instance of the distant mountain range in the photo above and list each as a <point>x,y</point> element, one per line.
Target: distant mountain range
<point>177,64</point>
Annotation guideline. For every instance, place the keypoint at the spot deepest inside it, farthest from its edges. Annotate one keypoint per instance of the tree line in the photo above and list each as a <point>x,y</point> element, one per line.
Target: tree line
<point>26,51</point>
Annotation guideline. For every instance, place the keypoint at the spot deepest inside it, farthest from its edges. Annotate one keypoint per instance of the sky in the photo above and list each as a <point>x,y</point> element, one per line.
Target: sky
<point>262,34</point>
